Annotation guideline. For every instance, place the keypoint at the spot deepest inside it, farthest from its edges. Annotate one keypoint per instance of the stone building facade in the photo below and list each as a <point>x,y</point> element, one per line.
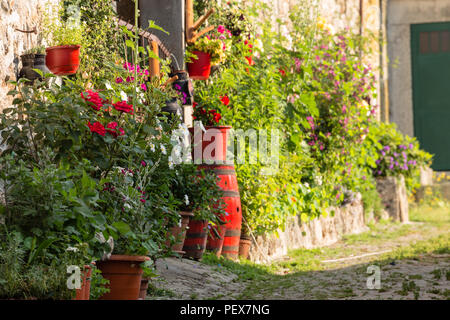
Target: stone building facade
<point>15,15</point>
<point>418,40</point>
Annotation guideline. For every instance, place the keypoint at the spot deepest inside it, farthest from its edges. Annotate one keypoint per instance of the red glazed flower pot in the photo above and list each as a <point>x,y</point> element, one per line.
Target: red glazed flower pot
<point>200,68</point>
<point>213,145</point>
<point>124,274</point>
<point>215,243</point>
<point>63,60</point>
<point>196,237</point>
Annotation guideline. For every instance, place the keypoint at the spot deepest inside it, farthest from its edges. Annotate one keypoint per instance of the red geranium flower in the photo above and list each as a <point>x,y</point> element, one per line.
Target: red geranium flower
<point>217,117</point>
<point>93,98</point>
<point>283,73</point>
<point>112,129</point>
<point>123,106</point>
<point>97,127</point>
<point>225,100</point>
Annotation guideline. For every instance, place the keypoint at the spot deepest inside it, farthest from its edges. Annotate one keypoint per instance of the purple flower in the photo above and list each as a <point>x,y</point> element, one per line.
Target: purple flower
<point>411,146</point>
<point>378,161</point>
<point>119,80</point>
<point>387,148</point>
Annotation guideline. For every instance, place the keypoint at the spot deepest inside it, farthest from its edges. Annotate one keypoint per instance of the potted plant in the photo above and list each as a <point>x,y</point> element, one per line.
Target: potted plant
<point>205,199</point>
<point>65,36</point>
<point>206,52</point>
<point>33,59</point>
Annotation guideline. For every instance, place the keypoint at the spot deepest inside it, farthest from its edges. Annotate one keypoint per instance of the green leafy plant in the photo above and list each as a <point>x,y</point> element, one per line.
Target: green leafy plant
<point>64,28</point>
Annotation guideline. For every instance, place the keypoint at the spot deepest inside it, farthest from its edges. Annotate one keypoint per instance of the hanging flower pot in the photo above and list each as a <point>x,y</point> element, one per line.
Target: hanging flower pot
<point>179,232</point>
<point>200,68</point>
<point>124,274</point>
<point>63,60</point>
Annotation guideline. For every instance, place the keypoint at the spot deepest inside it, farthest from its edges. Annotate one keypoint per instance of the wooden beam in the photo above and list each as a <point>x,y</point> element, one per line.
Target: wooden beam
<point>191,27</point>
<point>154,63</point>
<point>199,34</point>
<point>202,19</point>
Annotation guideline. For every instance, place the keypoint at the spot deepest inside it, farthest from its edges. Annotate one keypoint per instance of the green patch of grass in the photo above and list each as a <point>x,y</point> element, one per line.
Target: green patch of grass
<point>159,292</point>
<point>432,215</point>
<point>437,273</point>
<point>416,276</point>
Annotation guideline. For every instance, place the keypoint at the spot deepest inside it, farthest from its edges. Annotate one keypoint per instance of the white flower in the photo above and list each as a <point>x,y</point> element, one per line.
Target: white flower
<point>152,147</point>
<point>186,199</point>
<point>72,249</point>
<point>123,96</point>
<point>163,149</point>
<point>170,162</point>
<point>108,85</point>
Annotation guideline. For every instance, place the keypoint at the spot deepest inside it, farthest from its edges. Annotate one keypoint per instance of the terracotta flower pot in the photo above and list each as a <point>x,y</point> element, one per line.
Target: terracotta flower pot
<point>124,273</point>
<point>200,68</point>
<point>179,232</point>
<point>85,290</point>
<point>63,60</point>
<point>244,246</point>
<point>143,289</point>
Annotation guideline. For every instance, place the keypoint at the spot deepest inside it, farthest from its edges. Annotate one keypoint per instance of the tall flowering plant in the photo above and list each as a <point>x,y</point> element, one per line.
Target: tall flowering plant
<point>211,114</point>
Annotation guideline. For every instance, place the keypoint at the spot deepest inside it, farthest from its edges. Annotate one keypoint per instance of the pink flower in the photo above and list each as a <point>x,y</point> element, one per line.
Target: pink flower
<point>144,87</point>
<point>119,80</point>
<point>143,163</point>
<point>220,29</point>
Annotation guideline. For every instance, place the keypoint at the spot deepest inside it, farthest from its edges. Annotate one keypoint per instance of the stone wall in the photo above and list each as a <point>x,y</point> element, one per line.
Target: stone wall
<point>23,15</point>
<point>319,232</point>
<point>395,199</point>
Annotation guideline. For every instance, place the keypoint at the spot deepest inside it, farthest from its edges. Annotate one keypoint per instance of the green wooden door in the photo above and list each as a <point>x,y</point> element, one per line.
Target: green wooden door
<point>430,44</point>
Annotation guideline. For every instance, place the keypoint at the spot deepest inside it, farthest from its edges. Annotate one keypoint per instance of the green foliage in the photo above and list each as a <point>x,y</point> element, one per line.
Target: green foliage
<point>312,86</point>
<point>198,192</point>
<point>60,31</point>
<point>21,278</point>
